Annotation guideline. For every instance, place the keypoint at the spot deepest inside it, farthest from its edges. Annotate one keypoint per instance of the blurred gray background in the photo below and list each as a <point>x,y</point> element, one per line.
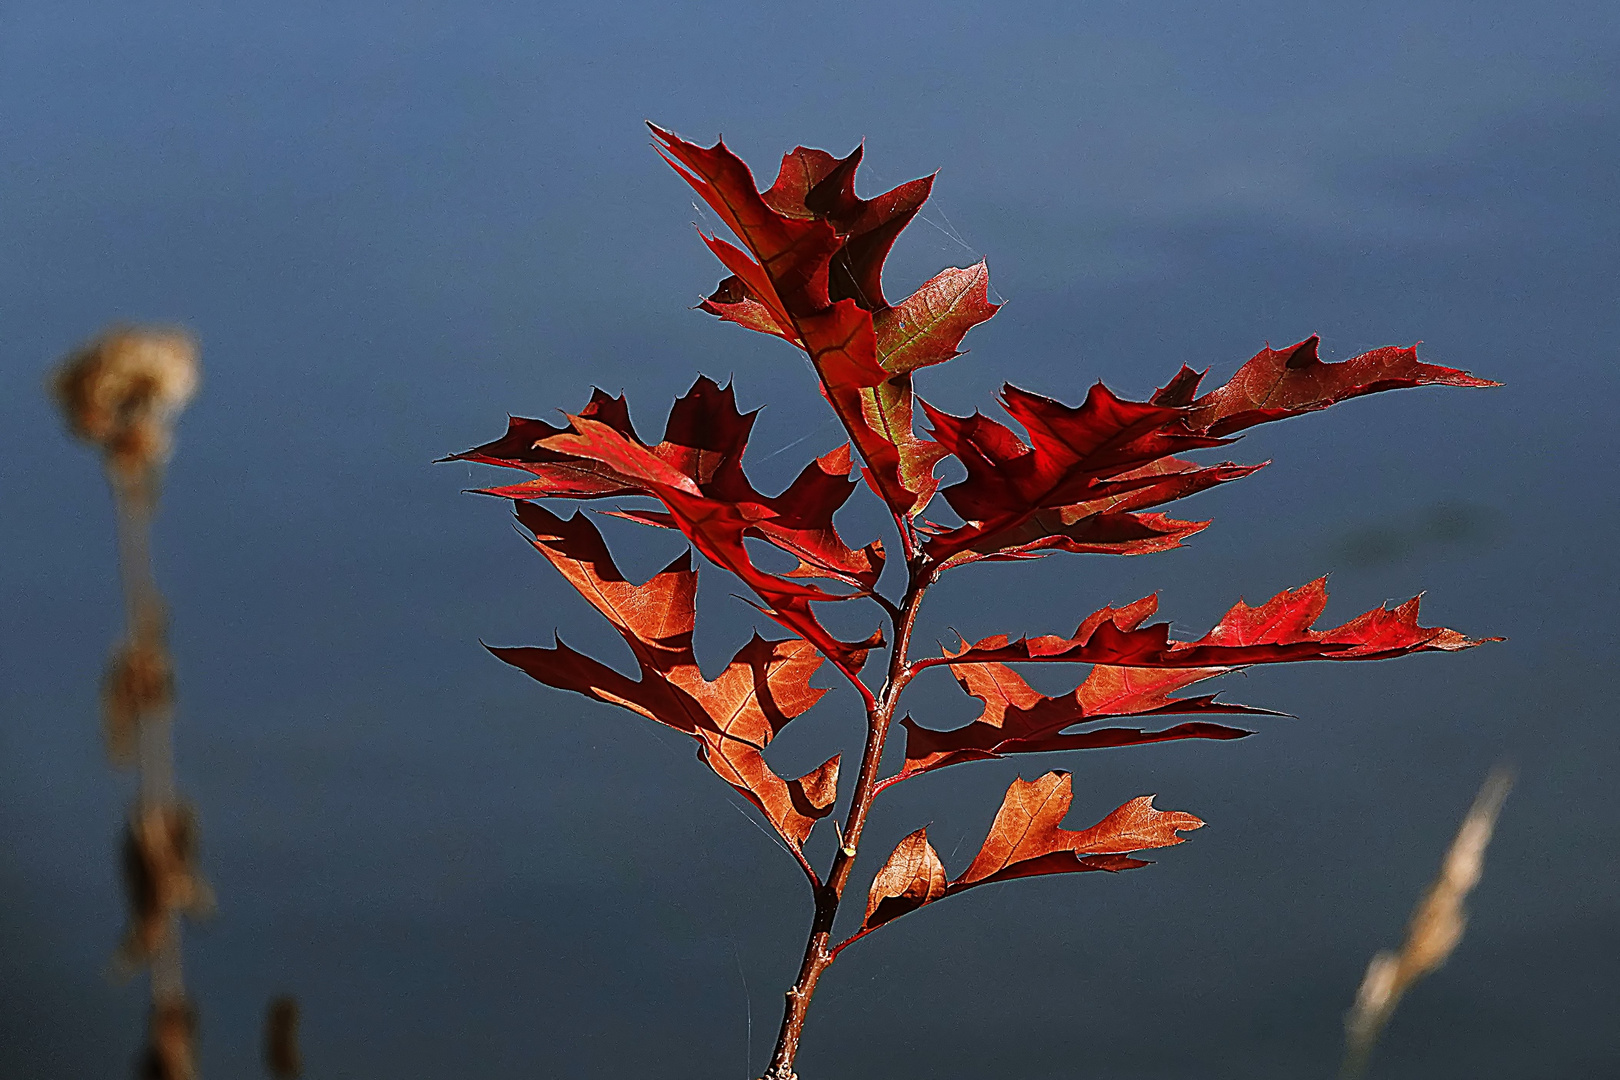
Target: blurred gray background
<point>391,224</point>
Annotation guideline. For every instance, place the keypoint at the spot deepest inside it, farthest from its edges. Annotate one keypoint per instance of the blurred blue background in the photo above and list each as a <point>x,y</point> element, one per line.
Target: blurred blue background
<point>391,224</point>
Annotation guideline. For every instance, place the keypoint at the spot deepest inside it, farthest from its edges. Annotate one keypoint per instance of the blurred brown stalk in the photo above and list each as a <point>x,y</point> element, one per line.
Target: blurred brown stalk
<point>1435,930</point>
<point>122,393</point>
<point>281,1055</point>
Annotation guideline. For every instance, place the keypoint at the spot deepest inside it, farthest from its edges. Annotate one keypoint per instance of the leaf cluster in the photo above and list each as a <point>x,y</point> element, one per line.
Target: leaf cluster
<point>805,264</point>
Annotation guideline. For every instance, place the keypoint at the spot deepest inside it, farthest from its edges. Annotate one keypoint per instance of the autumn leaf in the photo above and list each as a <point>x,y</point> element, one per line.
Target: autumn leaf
<point>1083,464</point>
<point>924,329</point>
<point>1017,494</point>
<point>704,439</point>
<point>814,184</point>
<point>1026,839</point>
<point>927,327</point>
<point>733,717</point>
<point>717,527</point>
<point>1108,524</point>
<point>812,274</point>
<point>556,476</point>
<point>1019,720</point>
<point>787,265</point>
<point>899,464</point>
<point>696,472</point>
<point>1277,631</point>
<point>1276,384</point>
<point>912,877</point>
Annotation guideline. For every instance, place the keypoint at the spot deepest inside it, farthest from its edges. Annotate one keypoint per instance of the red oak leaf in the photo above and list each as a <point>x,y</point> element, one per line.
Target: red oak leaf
<point>812,274</point>
<point>557,476</point>
<point>704,439</point>
<point>717,528</point>
<point>1075,456</point>
<point>1018,499</point>
<point>733,717</point>
<point>814,184</point>
<point>927,327</point>
<point>787,265</point>
<point>912,877</point>
<point>1026,840</point>
<point>699,465</point>
<point>1276,631</point>
<point>1109,524</point>
<point>799,521</point>
<point>1019,720</point>
<point>1280,383</point>
<point>899,464</point>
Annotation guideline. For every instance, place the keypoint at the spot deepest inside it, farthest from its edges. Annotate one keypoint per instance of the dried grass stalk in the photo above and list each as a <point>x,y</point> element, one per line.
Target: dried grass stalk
<point>1435,930</point>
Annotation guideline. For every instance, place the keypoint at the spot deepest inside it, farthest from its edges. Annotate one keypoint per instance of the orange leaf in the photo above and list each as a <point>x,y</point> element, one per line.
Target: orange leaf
<point>733,717</point>
<point>912,877</point>
<point>1027,839</point>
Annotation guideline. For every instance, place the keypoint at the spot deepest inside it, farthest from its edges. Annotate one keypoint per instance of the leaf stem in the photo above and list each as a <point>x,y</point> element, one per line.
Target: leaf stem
<point>879,716</point>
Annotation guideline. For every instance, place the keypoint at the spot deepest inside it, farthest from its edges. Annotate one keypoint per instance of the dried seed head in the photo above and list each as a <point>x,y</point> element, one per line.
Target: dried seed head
<point>281,1054</point>
<point>138,683</point>
<point>122,392</point>
<point>172,1031</point>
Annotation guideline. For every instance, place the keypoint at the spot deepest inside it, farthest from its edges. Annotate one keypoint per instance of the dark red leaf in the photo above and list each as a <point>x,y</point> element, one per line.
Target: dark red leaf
<point>927,327</point>
<point>1072,455</point>
<point>1076,457</point>
<point>1109,524</point>
<point>1280,383</point>
<point>704,436</point>
<point>732,302</point>
<point>559,476</point>
<point>825,295</point>
<point>899,464</point>
<point>814,184</point>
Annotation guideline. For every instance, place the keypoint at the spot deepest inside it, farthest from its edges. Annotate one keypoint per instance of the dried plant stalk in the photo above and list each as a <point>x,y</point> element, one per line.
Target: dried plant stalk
<point>171,1038</point>
<point>1436,928</point>
<point>122,393</point>
<point>281,1055</point>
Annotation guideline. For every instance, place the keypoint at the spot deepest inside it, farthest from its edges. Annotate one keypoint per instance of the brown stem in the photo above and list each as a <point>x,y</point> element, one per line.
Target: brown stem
<point>135,496</point>
<point>879,716</point>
